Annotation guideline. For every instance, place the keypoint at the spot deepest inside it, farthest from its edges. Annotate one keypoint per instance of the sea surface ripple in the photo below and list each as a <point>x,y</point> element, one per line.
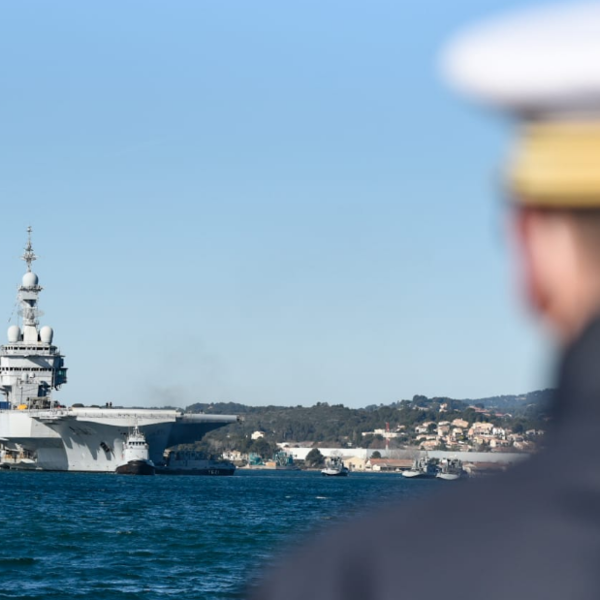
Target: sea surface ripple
<point>83,535</point>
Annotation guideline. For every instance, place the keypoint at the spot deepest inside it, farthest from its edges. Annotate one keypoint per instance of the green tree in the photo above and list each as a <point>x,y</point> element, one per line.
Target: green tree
<point>518,427</point>
<point>376,454</point>
<point>262,448</point>
<point>314,458</point>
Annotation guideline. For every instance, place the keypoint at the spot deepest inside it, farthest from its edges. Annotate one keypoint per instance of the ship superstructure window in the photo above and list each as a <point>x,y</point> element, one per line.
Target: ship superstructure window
<point>37,369</point>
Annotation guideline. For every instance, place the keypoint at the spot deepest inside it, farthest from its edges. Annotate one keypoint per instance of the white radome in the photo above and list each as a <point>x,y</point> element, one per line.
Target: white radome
<point>14,334</point>
<point>541,60</point>
<point>30,279</point>
<point>46,334</point>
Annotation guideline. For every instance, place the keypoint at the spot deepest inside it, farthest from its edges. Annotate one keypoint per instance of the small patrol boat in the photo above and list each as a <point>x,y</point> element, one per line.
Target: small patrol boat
<point>450,469</point>
<point>334,467</point>
<point>136,455</point>
<point>423,467</point>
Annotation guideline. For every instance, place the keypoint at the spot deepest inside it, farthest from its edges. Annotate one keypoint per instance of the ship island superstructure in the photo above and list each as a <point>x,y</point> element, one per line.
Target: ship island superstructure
<point>72,439</point>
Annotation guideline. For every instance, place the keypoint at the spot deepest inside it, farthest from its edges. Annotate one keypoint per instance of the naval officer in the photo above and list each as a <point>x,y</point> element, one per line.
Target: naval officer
<point>534,532</point>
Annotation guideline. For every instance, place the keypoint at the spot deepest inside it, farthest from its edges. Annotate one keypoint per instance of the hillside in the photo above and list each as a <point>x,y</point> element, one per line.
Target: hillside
<point>337,424</point>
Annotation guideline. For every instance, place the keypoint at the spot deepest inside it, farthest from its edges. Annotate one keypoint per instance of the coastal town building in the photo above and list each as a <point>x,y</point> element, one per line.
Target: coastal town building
<point>388,464</point>
<point>443,428</point>
<point>480,429</point>
<point>382,432</point>
<point>355,463</point>
<point>424,427</point>
<point>429,444</point>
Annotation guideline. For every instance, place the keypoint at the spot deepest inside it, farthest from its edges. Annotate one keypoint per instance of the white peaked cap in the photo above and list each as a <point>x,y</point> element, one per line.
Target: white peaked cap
<point>535,62</point>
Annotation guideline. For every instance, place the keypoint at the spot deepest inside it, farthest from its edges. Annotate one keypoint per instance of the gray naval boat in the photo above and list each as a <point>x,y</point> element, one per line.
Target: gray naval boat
<point>58,438</point>
<point>189,462</point>
<point>334,467</point>
<point>451,469</point>
<point>423,467</point>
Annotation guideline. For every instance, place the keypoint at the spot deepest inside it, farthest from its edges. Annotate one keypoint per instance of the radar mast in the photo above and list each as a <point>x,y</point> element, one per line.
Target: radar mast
<point>29,255</point>
<point>30,365</point>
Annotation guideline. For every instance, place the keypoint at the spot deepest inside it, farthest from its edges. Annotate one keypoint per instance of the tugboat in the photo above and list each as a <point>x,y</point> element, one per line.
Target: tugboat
<point>451,469</point>
<point>334,467</point>
<point>136,459</point>
<point>423,467</point>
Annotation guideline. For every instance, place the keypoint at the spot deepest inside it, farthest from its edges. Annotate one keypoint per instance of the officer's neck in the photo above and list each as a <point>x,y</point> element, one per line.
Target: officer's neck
<point>578,305</point>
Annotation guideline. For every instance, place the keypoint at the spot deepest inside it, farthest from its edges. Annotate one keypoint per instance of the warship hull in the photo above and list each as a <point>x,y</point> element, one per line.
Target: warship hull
<point>411,473</point>
<point>91,440</point>
<point>334,473</point>
<point>448,476</point>
<point>136,467</point>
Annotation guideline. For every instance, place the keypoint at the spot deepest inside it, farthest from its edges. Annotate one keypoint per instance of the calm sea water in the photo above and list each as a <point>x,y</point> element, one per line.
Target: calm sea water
<point>82,536</point>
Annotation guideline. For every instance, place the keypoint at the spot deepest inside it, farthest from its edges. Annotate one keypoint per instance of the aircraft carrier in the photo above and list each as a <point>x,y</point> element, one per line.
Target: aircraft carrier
<point>58,438</point>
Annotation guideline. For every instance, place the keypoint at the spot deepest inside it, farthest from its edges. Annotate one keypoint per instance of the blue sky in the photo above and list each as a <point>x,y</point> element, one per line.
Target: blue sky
<point>258,201</point>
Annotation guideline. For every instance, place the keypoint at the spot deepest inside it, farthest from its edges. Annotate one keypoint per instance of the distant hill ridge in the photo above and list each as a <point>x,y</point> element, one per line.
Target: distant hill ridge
<point>537,398</point>
<point>510,402</point>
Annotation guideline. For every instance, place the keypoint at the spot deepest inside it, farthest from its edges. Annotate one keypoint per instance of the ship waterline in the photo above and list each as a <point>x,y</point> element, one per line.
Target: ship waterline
<point>72,439</point>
